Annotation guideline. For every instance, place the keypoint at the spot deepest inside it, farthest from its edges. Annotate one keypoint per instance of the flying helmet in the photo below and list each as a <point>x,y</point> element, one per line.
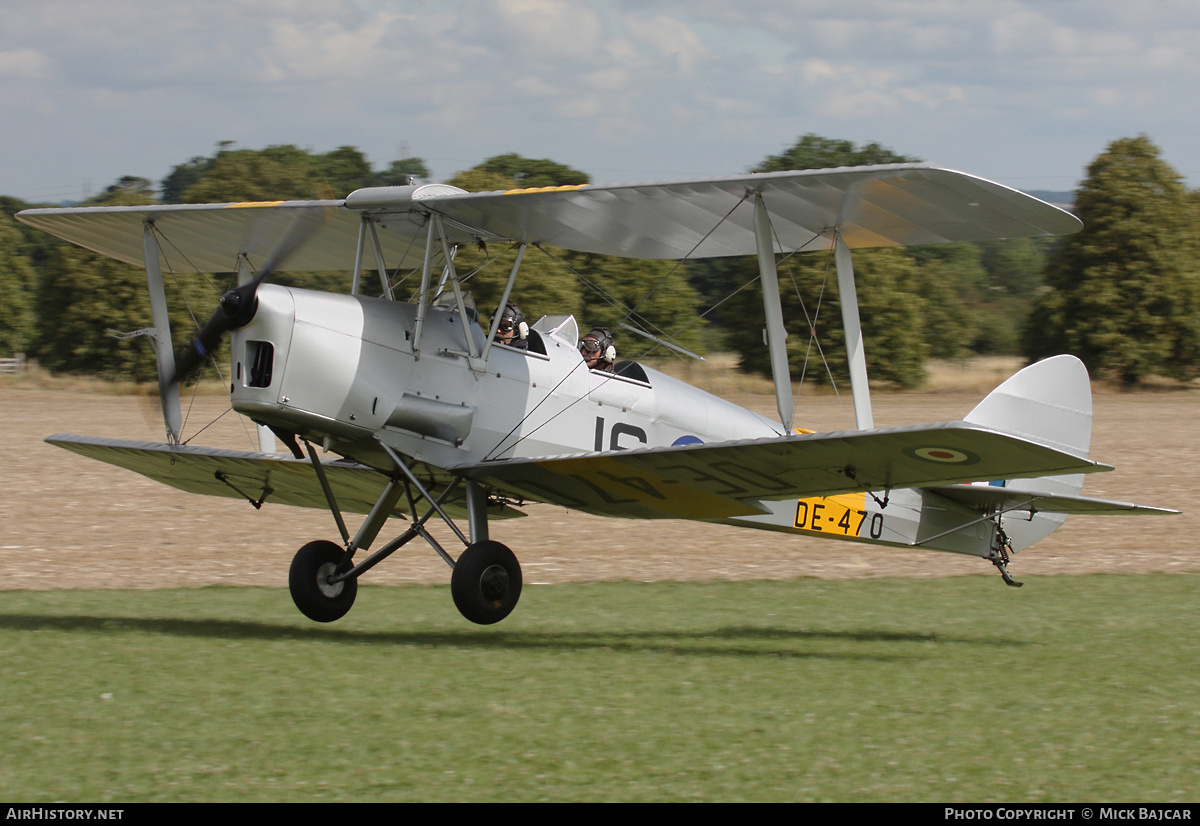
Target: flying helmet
<point>604,343</point>
<point>511,318</point>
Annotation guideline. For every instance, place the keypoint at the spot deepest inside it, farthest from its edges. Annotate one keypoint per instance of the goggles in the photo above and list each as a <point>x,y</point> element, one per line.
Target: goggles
<point>589,346</point>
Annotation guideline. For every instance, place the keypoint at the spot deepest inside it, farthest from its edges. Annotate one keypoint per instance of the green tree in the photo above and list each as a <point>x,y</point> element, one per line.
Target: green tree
<point>182,178</point>
<point>16,292</point>
<point>400,172</point>
<point>888,303</point>
<point>127,191</point>
<point>80,295</point>
<point>272,174</point>
<point>1124,292</point>
<point>949,312</point>
<point>340,172</point>
<point>815,152</point>
<point>480,180</point>
<point>280,173</point>
<point>1014,266</point>
<point>654,296</point>
<point>528,172</point>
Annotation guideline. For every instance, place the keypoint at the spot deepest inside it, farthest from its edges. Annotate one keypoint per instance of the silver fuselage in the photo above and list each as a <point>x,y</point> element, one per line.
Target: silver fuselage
<point>342,371</point>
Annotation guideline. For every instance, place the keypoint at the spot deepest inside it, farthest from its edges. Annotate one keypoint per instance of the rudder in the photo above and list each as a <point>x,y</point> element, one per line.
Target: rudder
<point>1048,402</point>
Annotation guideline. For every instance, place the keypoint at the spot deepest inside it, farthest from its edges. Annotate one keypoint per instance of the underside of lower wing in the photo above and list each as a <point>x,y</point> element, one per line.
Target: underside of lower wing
<point>257,477</point>
<point>730,479</point>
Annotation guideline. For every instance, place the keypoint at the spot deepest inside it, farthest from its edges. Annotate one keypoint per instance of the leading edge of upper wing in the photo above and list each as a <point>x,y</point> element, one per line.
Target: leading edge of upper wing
<point>870,206</point>
<point>729,479</point>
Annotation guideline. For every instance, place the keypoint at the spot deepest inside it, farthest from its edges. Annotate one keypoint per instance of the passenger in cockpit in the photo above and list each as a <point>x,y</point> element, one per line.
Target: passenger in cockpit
<point>513,330</point>
<point>598,349</point>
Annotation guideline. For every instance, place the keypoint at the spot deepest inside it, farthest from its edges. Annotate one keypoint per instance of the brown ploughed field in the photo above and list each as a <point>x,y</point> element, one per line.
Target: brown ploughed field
<point>69,522</point>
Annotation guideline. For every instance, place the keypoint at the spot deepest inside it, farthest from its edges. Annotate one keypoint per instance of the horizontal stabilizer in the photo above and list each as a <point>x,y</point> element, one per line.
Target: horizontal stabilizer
<point>253,476</point>
<point>1007,500</point>
<point>712,481</point>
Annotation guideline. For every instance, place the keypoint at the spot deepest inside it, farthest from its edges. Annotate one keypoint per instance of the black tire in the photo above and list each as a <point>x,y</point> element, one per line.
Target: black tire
<point>486,582</point>
<point>308,580</point>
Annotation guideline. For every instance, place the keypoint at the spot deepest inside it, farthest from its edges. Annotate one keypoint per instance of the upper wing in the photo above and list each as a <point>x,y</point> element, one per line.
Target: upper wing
<point>254,476</point>
<point>730,479</point>
<point>210,237</point>
<point>873,206</point>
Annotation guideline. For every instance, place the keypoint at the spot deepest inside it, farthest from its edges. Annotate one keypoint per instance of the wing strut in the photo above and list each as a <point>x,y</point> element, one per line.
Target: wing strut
<point>380,265</point>
<point>777,334</point>
<point>852,325</point>
<point>508,285</point>
<point>773,312</point>
<point>168,390</point>
<point>423,298</point>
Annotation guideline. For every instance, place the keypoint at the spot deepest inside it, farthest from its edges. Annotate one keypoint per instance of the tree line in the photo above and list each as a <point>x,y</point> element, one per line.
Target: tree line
<point>1123,294</point>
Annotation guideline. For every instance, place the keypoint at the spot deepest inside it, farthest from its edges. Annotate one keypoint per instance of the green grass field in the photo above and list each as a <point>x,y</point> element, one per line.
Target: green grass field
<point>1071,689</point>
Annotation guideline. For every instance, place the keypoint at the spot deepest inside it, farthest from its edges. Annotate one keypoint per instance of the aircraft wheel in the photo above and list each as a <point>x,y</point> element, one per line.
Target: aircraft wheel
<point>311,590</point>
<point>486,582</point>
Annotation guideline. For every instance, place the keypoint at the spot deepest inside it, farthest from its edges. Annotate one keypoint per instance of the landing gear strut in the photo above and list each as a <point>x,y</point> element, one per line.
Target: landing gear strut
<point>486,579</point>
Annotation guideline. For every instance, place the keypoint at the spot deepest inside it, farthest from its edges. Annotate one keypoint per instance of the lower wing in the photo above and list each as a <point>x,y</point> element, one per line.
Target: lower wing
<point>713,481</point>
<point>257,477</point>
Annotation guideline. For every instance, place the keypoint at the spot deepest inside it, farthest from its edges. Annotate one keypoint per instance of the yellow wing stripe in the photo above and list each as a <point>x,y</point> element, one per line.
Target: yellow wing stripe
<point>617,483</point>
<point>544,189</point>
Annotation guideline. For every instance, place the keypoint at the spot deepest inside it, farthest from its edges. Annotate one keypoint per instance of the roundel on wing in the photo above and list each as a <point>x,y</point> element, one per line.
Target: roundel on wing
<point>942,455</point>
<point>687,440</point>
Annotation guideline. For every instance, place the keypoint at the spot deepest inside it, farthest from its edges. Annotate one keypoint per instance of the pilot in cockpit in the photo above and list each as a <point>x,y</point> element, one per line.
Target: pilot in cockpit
<point>513,330</point>
<point>598,349</point>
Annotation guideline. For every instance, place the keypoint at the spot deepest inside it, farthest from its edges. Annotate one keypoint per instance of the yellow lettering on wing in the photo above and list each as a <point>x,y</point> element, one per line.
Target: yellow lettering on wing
<point>246,204</point>
<point>607,479</point>
<point>843,515</point>
<point>544,189</point>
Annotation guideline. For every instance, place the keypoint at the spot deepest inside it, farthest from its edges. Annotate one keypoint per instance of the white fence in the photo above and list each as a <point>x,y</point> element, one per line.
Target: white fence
<point>12,366</point>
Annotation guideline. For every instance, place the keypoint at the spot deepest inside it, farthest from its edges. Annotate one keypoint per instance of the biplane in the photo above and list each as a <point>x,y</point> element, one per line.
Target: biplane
<point>429,415</point>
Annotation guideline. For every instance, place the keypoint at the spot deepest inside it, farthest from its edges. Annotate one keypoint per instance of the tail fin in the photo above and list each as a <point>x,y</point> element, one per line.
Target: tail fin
<point>1048,402</point>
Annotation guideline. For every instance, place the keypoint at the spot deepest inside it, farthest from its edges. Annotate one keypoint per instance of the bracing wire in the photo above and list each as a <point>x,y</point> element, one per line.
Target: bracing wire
<point>495,450</point>
<point>811,321</point>
<point>695,247</point>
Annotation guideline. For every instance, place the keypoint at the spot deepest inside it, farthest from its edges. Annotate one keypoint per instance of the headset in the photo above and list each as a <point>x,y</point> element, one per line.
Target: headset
<point>604,339</point>
<point>515,319</point>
